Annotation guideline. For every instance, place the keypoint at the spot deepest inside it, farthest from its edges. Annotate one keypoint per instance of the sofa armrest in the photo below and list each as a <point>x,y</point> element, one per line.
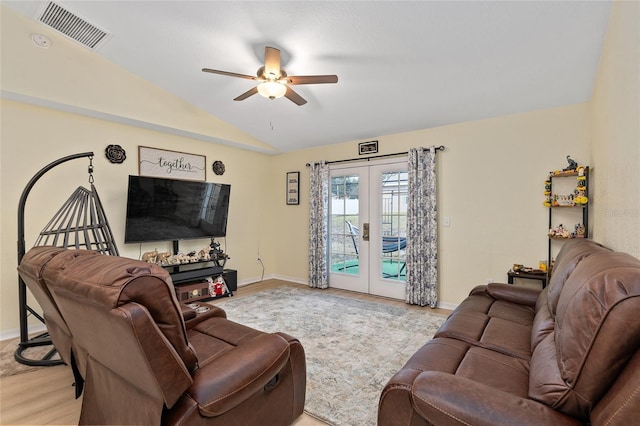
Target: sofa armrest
<point>192,318</point>
<point>514,294</point>
<point>445,399</point>
<point>238,374</point>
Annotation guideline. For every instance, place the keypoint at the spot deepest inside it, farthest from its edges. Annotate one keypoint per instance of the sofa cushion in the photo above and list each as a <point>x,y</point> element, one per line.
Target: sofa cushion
<point>494,369</point>
<point>569,256</point>
<point>574,366</point>
<point>543,322</point>
<point>485,320</point>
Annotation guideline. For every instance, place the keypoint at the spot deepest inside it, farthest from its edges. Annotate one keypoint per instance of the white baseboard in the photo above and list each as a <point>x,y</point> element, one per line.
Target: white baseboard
<point>442,305</point>
<point>445,305</point>
<point>254,280</point>
<point>12,334</point>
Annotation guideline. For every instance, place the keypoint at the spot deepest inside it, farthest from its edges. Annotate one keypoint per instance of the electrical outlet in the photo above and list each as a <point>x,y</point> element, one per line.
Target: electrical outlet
<point>489,280</point>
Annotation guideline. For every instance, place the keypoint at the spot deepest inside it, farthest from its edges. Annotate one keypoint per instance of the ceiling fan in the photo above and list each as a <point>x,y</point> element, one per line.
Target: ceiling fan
<point>274,81</point>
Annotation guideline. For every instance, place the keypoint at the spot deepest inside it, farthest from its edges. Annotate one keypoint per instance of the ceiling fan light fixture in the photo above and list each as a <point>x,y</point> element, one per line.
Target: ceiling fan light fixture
<point>272,89</point>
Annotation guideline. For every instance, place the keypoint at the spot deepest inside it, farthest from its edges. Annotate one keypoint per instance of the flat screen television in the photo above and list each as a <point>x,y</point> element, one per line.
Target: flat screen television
<point>161,209</point>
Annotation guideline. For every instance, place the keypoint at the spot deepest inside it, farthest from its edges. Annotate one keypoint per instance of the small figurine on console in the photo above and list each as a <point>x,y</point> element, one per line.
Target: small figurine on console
<point>217,287</point>
<point>150,256</point>
<point>163,258</point>
<point>204,254</point>
<point>217,255</point>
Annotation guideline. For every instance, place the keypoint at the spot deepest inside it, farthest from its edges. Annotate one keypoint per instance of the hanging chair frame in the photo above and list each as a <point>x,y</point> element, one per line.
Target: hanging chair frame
<point>104,245</point>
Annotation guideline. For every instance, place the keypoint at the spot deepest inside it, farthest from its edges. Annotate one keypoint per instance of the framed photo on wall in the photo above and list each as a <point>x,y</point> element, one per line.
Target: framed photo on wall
<point>293,188</point>
<point>155,162</point>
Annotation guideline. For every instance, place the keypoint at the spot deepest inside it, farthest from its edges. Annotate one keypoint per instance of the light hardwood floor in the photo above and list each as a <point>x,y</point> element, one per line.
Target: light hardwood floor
<point>46,396</point>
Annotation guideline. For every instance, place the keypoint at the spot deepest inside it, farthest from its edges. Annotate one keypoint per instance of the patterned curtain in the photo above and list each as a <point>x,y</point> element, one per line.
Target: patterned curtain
<point>422,229</point>
<point>318,221</point>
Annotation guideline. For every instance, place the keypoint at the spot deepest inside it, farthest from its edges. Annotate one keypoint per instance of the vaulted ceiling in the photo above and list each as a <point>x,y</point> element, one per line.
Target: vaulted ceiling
<point>402,65</point>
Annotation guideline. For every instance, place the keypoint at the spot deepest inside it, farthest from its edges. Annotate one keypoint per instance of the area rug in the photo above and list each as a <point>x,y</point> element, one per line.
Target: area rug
<point>352,347</point>
<point>9,366</point>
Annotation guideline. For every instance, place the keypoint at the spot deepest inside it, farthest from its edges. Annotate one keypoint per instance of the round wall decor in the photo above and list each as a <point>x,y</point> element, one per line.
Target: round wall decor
<point>218,167</point>
<point>115,154</point>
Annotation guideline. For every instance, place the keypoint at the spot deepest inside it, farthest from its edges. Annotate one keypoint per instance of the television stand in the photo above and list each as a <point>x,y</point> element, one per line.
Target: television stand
<point>190,279</point>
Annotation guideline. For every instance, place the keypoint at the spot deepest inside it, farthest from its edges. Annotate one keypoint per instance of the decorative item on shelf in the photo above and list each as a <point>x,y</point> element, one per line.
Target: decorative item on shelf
<point>563,200</point>
<point>518,268</point>
<point>217,255</point>
<point>547,193</point>
<point>559,232</point>
<point>542,265</point>
<point>116,154</point>
<point>181,258</point>
<point>204,254</point>
<point>163,258</point>
<point>573,165</point>
<point>150,256</point>
<point>218,167</point>
<point>579,197</point>
<point>217,286</point>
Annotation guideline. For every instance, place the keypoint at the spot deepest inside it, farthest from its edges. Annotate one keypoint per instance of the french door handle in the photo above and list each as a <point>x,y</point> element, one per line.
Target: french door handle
<point>365,232</point>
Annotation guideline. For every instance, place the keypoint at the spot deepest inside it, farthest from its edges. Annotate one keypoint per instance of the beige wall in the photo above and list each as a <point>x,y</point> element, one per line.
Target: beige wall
<point>490,181</point>
<point>32,137</point>
<point>615,147</point>
<point>490,176</point>
<point>71,77</point>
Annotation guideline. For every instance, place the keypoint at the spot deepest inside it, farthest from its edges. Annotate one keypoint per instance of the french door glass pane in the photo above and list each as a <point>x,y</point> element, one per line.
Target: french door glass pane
<point>344,224</point>
<point>393,227</point>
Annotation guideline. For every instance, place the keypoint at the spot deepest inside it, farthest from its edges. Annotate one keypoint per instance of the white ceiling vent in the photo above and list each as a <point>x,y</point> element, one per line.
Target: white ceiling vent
<point>71,25</point>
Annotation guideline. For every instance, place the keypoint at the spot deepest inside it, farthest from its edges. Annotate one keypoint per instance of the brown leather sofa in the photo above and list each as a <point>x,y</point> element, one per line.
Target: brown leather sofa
<point>509,355</point>
<point>146,359</point>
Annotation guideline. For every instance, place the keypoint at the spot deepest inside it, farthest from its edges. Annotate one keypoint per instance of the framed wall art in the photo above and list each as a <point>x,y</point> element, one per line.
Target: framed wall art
<point>171,164</point>
<point>293,188</point>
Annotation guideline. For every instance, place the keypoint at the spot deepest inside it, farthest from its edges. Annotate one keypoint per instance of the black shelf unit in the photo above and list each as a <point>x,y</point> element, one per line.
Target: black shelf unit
<point>201,270</point>
<point>189,279</point>
<point>582,209</point>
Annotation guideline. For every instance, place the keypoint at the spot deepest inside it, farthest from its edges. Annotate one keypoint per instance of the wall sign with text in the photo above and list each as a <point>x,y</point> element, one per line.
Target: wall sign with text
<point>171,164</point>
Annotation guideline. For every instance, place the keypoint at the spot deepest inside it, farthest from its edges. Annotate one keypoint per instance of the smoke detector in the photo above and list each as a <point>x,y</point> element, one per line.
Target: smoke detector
<point>41,40</point>
<point>72,25</point>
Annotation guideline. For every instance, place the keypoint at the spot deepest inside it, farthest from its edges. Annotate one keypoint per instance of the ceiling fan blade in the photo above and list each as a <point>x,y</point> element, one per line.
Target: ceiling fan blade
<point>246,94</point>
<point>230,74</point>
<point>294,97</point>
<point>312,79</point>
<point>272,62</point>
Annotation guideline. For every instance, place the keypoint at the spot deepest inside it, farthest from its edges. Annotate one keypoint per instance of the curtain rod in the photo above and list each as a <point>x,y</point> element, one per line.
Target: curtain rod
<point>438,148</point>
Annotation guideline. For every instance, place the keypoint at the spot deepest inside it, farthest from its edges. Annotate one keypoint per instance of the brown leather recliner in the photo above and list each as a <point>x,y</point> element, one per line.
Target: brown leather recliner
<point>30,269</point>
<point>144,364</point>
<point>566,355</point>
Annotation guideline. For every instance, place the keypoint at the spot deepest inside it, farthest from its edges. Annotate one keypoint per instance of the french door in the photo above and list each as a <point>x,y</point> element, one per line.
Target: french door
<point>367,228</point>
